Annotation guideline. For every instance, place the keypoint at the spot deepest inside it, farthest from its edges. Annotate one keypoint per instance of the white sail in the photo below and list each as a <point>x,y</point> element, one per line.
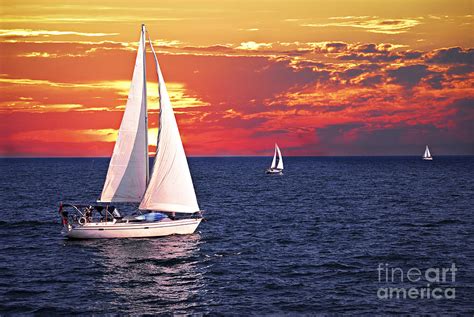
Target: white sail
<point>128,169</point>
<point>427,152</point>
<point>274,159</point>
<point>171,187</point>
<point>280,158</point>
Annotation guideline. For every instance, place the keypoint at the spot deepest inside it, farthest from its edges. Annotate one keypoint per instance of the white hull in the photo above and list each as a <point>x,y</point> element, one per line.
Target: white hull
<point>274,171</point>
<point>427,158</point>
<point>131,230</point>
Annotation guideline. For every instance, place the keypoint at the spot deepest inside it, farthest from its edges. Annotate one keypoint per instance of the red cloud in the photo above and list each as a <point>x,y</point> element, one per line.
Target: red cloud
<point>317,104</point>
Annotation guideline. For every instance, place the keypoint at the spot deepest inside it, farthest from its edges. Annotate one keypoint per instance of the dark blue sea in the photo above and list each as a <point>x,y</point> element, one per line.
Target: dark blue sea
<point>325,238</point>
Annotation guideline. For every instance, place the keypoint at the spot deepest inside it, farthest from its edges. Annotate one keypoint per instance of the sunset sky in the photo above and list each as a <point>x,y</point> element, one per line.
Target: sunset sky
<point>339,77</point>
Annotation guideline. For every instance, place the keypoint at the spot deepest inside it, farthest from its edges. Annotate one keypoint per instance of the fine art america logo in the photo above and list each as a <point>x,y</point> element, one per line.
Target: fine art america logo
<point>436,282</point>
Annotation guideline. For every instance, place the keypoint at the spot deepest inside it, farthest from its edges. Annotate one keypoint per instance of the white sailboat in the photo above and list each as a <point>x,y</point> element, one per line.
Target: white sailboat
<point>427,155</point>
<point>277,163</point>
<point>168,203</point>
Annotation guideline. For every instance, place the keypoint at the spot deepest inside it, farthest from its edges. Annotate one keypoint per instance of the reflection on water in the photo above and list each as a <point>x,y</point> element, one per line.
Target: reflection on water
<point>149,275</point>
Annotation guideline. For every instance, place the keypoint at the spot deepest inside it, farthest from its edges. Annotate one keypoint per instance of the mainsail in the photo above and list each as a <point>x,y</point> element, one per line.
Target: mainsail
<point>171,187</point>
<point>128,169</point>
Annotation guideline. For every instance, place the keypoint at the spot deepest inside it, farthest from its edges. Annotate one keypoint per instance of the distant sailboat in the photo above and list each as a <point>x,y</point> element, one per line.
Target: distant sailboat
<point>277,162</point>
<point>427,155</point>
<point>165,198</point>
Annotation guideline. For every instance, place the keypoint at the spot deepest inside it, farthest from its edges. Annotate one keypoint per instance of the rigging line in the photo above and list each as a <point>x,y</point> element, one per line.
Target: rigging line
<point>157,66</point>
<point>147,159</point>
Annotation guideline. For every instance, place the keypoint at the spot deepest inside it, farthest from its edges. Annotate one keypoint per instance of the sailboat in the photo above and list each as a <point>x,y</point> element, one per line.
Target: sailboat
<point>277,163</point>
<point>166,196</point>
<point>427,155</point>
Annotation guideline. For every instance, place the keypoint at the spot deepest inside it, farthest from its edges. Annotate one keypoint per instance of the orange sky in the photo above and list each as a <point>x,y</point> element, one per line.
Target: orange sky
<point>318,77</point>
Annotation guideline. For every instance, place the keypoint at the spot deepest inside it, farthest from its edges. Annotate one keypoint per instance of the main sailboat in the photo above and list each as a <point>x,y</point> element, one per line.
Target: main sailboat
<point>168,203</point>
<point>277,163</point>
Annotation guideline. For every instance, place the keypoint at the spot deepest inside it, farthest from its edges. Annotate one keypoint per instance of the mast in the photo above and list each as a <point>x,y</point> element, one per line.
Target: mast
<point>160,123</point>
<point>147,159</point>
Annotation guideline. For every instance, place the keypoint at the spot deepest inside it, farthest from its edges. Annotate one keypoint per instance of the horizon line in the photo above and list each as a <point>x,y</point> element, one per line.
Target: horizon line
<point>227,156</point>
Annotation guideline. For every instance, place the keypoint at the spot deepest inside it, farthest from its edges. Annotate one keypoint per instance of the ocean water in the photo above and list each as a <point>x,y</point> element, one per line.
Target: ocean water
<point>310,241</point>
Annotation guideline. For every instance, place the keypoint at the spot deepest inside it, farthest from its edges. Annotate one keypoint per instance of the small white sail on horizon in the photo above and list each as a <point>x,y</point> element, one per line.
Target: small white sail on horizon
<point>427,155</point>
<point>277,162</point>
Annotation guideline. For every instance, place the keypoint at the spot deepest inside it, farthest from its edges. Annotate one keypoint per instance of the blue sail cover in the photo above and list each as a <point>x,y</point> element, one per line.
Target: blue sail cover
<point>152,216</point>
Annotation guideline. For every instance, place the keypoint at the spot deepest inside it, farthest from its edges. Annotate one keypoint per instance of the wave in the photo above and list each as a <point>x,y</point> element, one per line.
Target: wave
<point>433,224</point>
<point>166,262</point>
<point>27,223</point>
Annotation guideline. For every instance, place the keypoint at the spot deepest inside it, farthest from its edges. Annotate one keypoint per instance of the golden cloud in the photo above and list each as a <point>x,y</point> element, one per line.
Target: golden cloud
<point>47,33</point>
<point>386,26</point>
